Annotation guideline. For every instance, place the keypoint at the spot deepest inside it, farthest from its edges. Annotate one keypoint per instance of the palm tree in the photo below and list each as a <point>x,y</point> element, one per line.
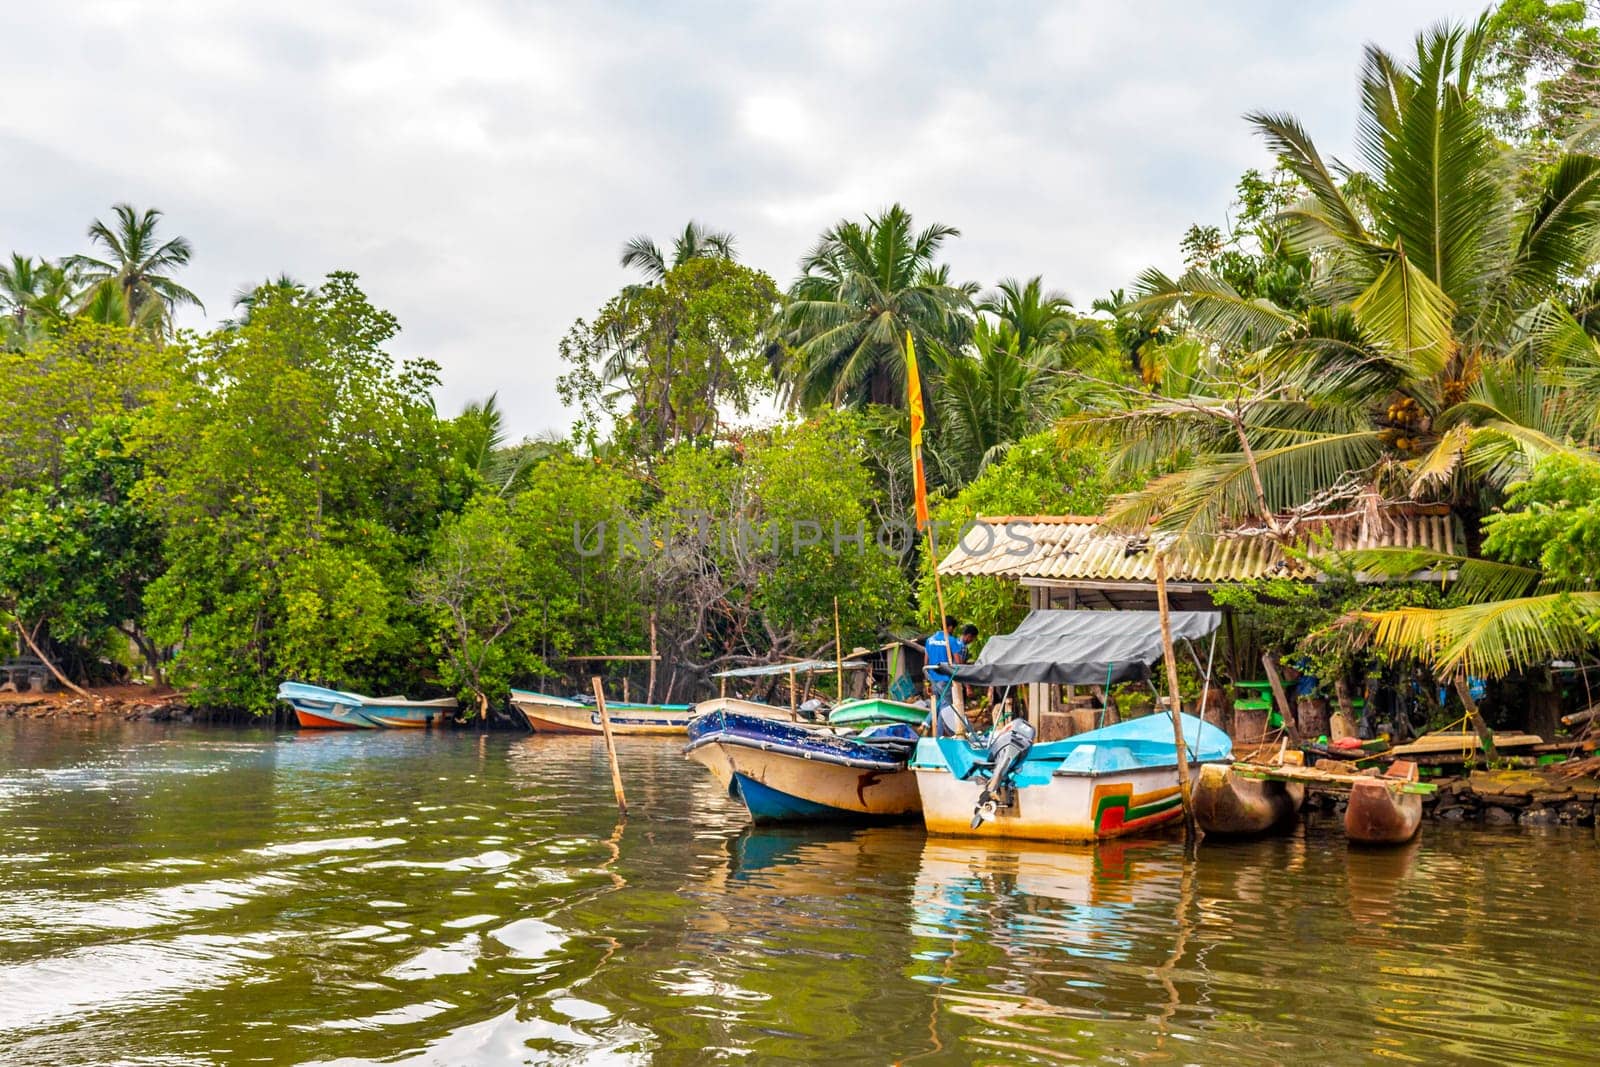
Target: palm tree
<point>138,264</point>
<point>988,403</point>
<point>695,242</point>
<point>20,282</point>
<point>1036,316</point>
<point>247,297</point>
<point>1412,374</point>
<point>862,289</point>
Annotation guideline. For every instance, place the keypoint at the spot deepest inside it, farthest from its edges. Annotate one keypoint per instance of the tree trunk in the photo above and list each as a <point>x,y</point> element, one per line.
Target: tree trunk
<point>1484,733</point>
<point>63,679</point>
<point>1544,706</point>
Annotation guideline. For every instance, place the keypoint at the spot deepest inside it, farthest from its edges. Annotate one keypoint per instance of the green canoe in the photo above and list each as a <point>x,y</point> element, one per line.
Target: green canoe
<point>875,710</point>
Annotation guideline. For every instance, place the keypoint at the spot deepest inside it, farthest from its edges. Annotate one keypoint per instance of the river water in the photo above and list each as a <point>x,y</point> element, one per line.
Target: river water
<point>179,895</point>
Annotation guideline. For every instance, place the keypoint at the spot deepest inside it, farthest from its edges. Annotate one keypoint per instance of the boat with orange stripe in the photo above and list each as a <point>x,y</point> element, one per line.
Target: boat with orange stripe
<point>320,708</point>
<point>1117,781</point>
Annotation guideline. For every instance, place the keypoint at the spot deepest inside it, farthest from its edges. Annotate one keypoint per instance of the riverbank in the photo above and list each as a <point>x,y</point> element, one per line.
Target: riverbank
<point>131,703</point>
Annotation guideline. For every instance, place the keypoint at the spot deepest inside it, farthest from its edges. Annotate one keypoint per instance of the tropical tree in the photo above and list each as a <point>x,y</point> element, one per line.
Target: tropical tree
<point>862,289</point>
<point>695,242</point>
<point>1413,372</point>
<point>664,363</point>
<point>987,403</point>
<point>138,264</point>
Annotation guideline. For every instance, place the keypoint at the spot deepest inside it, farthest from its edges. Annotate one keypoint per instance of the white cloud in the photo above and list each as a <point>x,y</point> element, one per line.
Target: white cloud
<point>480,163</point>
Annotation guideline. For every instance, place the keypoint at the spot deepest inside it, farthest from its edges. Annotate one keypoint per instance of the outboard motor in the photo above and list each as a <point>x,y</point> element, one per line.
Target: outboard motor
<point>1007,749</point>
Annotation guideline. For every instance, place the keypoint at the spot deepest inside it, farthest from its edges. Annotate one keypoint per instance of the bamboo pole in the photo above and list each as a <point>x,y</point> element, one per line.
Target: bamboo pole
<point>794,698</point>
<point>1168,653</point>
<point>838,650</point>
<point>626,699</point>
<point>650,688</point>
<point>611,746</point>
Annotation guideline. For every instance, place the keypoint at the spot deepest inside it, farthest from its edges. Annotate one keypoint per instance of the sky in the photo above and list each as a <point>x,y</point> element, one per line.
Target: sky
<point>479,163</point>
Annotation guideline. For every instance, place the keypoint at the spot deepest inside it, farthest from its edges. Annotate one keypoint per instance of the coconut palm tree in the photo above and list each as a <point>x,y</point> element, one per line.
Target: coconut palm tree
<point>20,282</point>
<point>138,264</point>
<point>247,297</point>
<point>861,290</point>
<point>988,403</point>
<point>695,242</point>
<point>1410,375</point>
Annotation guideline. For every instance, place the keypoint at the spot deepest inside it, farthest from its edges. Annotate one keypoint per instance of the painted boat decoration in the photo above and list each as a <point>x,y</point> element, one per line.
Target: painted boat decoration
<point>547,714</point>
<point>320,708</point>
<point>872,711</point>
<point>1112,782</point>
<point>786,772</point>
<point>401,714</point>
<point>1382,810</point>
<point>1228,805</point>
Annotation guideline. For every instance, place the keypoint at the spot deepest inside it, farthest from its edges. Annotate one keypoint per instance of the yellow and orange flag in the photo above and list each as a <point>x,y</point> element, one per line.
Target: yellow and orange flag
<point>914,404</point>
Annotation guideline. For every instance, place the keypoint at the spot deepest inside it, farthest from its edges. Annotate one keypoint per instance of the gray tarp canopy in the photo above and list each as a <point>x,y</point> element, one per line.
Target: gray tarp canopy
<point>1081,647</point>
<point>805,666</point>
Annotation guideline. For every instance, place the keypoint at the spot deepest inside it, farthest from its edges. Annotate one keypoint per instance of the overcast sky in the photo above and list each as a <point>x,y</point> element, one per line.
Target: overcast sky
<point>480,163</point>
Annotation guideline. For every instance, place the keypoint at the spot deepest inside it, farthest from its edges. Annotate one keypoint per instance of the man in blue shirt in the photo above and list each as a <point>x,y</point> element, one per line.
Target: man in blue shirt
<point>944,647</point>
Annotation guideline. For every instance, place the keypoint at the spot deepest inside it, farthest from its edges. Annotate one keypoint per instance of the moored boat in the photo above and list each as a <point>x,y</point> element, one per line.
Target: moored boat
<point>1227,804</point>
<point>1112,782</point>
<point>786,772</point>
<point>1116,781</point>
<point>547,714</point>
<point>402,714</point>
<point>1382,811</point>
<point>319,708</point>
<point>872,711</point>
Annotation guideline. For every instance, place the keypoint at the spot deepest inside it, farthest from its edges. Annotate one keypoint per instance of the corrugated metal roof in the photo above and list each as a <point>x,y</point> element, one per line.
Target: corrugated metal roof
<point>1069,548</point>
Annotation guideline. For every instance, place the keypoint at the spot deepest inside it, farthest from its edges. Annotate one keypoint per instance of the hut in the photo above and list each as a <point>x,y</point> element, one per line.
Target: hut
<point>1073,562</point>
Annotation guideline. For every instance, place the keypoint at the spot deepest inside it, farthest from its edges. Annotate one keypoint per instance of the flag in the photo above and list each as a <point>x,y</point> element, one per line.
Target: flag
<point>914,403</point>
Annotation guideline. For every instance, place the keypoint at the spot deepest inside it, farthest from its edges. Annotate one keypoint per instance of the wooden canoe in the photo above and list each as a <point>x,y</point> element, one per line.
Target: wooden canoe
<point>1381,811</point>
<point>1228,805</point>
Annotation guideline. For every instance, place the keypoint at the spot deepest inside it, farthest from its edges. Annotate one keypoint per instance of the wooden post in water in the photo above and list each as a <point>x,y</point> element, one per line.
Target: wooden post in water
<point>838,649</point>
<point>1169,654</point>
<point>611,746</point>
<point>650,689</point>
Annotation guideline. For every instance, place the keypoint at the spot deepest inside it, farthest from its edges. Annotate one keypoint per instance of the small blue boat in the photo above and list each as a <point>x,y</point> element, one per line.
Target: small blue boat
<point>319,708</point>
<point>786,772</point>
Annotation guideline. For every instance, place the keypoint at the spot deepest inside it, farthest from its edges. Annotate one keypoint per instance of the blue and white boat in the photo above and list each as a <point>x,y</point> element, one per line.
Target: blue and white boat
<point>786,772</point>
<point>320,708</point>
<point>1118,780</point>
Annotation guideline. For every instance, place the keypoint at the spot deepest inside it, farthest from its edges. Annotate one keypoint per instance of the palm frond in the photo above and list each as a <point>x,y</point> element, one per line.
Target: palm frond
<point>1493,638</point>
<point>1410,316</point>
<point>1473,580</point>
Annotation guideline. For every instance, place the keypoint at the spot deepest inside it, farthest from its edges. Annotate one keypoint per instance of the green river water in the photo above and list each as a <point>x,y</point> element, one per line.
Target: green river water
<point>182,895</point>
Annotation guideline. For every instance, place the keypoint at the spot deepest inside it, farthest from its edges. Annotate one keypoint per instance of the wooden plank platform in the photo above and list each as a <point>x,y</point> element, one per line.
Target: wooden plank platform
<point>1324,780</point>
<point>1465,743</point>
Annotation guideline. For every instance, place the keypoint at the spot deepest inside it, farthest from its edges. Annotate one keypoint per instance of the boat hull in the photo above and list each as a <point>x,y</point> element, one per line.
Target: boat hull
<point>1380,813</point>
<point>780,788</point>
<point>557,716</point>
<point>1067,808</point>
<point>331,718</point>
<point>1228,805</point>
<point>419,715</point>
<point>787,773</point>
